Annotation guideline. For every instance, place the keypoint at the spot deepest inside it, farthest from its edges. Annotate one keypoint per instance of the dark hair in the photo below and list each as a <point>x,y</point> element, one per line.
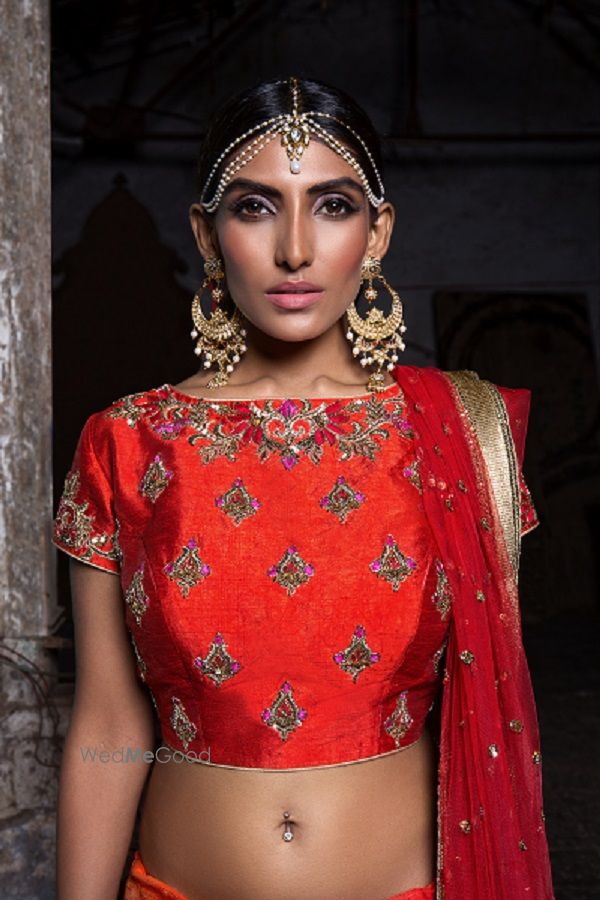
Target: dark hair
<point>267,99</point>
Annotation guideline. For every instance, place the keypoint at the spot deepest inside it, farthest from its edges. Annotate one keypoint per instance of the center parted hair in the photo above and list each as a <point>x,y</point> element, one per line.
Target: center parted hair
<point>337,120</point>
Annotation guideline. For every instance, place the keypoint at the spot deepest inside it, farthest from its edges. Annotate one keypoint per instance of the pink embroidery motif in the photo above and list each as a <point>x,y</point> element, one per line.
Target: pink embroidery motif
<point>393,565</point>
<point>156,479</point>
<point>284,715</point>
<point>237,502</point>
<point>342,499</point>
<point>188,569</point>
<point>411,472</point>
<point>287,428</point>
<point>218,664</point>
<point>357,656</point>
<point>291,571</point>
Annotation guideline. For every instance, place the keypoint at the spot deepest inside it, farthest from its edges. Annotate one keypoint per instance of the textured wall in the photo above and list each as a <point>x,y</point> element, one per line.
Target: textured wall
<point>27,748</point>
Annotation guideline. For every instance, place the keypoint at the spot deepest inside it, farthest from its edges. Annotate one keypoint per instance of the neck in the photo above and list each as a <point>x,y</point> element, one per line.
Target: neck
<point>302,367</point>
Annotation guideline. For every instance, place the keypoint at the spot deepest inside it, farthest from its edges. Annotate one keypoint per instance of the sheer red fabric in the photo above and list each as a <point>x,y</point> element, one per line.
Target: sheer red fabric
<point>491,839</point>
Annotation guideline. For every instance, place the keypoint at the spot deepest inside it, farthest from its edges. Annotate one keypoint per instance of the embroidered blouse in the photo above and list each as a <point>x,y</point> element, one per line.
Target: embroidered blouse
<point>284,595</point>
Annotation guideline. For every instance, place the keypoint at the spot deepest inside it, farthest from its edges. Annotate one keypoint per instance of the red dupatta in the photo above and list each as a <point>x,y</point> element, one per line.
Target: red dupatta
<point>491,835</point>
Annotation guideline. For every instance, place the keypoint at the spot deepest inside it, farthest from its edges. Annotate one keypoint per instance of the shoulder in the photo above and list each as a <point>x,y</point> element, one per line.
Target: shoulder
<point>119,424</point>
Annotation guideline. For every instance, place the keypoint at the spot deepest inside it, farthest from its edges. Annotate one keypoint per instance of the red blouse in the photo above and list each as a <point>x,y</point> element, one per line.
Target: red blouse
<point>286,602</point>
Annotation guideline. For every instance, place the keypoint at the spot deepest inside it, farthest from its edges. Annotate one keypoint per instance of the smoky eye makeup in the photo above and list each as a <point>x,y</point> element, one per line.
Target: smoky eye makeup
<point>333,206</point>
<point>250,207</point>
<point>337,206</point>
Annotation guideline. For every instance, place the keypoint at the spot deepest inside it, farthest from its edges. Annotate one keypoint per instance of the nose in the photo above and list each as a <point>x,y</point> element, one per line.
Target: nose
<point>294,240</point>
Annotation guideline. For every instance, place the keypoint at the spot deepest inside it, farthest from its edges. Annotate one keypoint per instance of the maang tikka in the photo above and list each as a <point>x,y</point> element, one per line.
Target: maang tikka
<point>219,338</point>
<point>376,337</point>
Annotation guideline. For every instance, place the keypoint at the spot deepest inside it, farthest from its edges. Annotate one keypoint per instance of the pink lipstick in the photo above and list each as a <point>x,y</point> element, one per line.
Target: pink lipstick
<point>294,294</point>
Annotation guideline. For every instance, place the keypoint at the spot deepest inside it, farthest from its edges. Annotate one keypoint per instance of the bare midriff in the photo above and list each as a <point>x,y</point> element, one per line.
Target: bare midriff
<point>364,831</point>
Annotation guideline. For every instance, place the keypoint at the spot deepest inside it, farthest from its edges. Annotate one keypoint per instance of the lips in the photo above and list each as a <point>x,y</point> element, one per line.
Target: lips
<point>295,287</point>
<point>294,294</point>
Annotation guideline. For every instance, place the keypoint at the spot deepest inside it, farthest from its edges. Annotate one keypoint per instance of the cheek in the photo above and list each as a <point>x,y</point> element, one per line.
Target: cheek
<point>343,249</point>
<point>244,252</point>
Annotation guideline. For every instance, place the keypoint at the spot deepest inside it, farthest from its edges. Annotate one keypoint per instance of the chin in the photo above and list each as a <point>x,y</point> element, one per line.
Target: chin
<point>293,330</point>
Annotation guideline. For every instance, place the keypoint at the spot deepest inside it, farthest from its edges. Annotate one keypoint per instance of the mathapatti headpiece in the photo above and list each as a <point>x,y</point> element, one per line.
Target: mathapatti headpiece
<point>295,129</point>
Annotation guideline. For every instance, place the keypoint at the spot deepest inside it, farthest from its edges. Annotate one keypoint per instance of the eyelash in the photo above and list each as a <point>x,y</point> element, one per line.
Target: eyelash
<point>239,207</point>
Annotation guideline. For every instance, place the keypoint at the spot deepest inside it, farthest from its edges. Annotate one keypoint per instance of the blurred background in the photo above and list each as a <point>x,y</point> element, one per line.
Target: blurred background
<point>489,113</point>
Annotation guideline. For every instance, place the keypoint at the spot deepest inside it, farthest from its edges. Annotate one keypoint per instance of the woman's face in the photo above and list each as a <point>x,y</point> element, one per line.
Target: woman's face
<point>274,229</point>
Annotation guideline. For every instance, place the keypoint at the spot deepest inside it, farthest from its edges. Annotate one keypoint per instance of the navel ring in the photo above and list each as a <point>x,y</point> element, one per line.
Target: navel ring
<point>288,834</point>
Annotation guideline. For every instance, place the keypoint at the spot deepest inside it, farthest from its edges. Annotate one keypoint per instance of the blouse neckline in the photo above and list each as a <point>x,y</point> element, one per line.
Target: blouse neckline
<point>389,391</point>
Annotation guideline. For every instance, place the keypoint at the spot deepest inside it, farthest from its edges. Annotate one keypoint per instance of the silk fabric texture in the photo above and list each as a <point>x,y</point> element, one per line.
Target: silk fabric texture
<point>491,834</point>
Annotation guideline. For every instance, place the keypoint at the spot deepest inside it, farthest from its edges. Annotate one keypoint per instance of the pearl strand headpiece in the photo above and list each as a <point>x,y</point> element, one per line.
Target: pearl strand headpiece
<point>295,129</point>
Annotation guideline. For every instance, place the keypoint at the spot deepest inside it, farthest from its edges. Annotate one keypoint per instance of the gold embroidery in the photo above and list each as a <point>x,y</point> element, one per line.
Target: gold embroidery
<point>135,596</point>
<point>288,428</point>
<point>218,664</point>
<point>467,657</point>
<point>181,724</point>
<point>393,565</point>
<point>156,479</point>
<point>465,826</point>
<point>357,656</point>
<point>74,525</point>
<point>237,502</point>
<point>291,571</point>
<point>488,417</point>
<point>342,499</point>
<point>284,714</point>
<point>291,428</point>
<point>398,723</point>
<point>188,569</point>
<point>442,596</point>
<point>413,474</point>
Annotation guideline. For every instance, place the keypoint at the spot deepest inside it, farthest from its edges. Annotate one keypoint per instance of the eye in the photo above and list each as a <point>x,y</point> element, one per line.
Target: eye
<point>250,208</point>
<point>336,207</point>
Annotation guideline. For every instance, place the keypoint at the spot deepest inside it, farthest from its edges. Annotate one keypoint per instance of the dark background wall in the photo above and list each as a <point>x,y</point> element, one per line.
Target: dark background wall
<point>490,117</point>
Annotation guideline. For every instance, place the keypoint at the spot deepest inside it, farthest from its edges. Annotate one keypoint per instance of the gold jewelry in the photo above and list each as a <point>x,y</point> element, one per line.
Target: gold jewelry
<point>376,336</point>
<point>220,338</point>
<point>295,129</point>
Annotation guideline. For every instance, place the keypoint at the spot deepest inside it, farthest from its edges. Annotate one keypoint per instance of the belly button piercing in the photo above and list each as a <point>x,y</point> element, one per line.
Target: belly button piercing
<point>288,834</point>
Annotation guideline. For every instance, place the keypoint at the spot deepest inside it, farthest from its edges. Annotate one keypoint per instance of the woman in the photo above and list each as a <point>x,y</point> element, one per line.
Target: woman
<point>306,564</point>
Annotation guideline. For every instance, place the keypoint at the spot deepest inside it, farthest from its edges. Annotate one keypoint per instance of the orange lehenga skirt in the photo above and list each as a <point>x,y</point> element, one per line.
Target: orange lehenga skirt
<point>140,885</point>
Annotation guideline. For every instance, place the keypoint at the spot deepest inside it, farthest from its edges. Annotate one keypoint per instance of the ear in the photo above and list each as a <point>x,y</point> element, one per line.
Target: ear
<point>204,232</point>
<point>380,232</point>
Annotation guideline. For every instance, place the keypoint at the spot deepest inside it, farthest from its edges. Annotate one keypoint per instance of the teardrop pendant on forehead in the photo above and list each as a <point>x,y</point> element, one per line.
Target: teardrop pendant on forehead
<point>295,129</point>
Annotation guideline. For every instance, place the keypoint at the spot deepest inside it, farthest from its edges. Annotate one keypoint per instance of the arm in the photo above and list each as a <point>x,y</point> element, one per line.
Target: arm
<point>97,801</point>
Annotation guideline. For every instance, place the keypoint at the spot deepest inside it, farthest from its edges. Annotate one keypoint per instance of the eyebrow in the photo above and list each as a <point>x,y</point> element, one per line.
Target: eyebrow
<point>331,185</point>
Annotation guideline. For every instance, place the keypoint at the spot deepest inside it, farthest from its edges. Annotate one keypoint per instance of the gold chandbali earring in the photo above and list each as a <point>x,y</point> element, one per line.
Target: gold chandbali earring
<point>376,337</point>
<point>220,339</point>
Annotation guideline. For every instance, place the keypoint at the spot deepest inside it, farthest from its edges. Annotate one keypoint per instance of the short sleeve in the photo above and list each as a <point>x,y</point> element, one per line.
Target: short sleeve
<point>518,404</point>
<point>85,525</point>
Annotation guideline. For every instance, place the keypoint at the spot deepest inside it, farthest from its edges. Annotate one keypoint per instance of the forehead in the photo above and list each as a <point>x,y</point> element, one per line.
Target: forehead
<point>318,163</point>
